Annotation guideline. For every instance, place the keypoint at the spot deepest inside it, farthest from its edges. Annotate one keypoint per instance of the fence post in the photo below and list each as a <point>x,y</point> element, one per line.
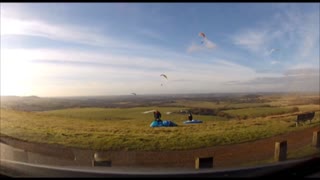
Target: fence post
<point>204,162</point>
<point>101,159</point>
<point>316,139</point>
<point>280,153</point>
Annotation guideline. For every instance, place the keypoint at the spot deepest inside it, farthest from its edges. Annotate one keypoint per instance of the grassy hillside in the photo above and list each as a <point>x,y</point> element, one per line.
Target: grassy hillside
<point>128,128</point>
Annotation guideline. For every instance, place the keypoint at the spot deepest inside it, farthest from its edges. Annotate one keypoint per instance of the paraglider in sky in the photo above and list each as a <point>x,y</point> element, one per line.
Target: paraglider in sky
<point>164,81</point>
<point>272,50</point>
<point>201,34</point>
<point>275,57</point>
<point>164,76</point>
<point>205,44</point>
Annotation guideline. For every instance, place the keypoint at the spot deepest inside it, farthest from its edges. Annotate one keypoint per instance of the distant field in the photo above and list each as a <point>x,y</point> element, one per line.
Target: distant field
<point>233,121</point>
<point>221,105</point>
<point>259,111</point>
<point>110,113</point>
<point>306,108</point>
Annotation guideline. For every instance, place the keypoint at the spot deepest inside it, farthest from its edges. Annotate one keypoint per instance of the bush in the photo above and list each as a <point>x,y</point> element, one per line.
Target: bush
<point>295,109</point>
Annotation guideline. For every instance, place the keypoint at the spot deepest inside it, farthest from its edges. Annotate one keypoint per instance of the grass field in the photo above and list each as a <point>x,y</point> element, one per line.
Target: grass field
<point>128,128</point>
<point>259,111</point>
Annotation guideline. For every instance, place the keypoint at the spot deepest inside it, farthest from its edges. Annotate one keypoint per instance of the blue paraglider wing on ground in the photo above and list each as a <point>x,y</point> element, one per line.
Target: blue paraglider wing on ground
<point>164,123</point>
<point>194,121</point>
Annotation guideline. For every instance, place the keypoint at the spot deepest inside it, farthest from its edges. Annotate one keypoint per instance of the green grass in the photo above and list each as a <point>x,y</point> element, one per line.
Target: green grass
<point>307,108</point>
<point>128,129</point>
<point>134,114</point>
<point>293,100</point>
<point>246,105</point>
<point>110,113</point>
<point>259,111</point>
<point>198,104</point>
<point>214,105</point>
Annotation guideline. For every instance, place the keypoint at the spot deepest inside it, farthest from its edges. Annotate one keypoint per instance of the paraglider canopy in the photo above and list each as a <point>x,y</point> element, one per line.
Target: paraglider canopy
<point>202,35</point>
<point>164,76</point>
<point>273,50</point>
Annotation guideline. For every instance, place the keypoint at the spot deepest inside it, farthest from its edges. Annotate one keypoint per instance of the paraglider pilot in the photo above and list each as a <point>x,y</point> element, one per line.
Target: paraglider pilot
<point>157,116</point>
<point>190,116</point>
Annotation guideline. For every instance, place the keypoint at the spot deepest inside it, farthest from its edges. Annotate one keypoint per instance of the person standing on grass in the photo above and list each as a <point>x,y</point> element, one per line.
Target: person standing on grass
<point>190,116</point>
<point>157,116</point>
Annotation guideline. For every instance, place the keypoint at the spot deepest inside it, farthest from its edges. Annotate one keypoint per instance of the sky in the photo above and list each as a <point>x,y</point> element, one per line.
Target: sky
<point>90,49</point>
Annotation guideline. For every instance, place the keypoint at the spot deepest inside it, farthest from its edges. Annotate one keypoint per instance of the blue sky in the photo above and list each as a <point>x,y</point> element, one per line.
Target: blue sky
<point>72,49</point>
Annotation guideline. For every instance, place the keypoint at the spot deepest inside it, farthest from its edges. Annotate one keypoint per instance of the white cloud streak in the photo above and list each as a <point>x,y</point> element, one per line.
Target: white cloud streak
<point>64,69</point>
<point>68,33</point>
<point>292,80</point>
<point>151,34</point>
<point>207,45</point>
<point>252,40</point>
<point>296,33</point>
<point>11,26</point>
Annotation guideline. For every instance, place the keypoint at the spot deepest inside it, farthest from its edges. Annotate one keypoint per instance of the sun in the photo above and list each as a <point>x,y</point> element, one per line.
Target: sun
<point>16,73</point>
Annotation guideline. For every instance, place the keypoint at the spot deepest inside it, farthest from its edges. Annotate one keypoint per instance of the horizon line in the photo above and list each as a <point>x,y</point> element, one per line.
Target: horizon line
<point>169,94</point>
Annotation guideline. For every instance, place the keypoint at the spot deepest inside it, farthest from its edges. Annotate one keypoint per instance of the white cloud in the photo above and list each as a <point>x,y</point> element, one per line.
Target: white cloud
<point>80,35</point>
<point>67,33</point>
<point>207,45</point>
<point>272,51</point>
<point>293,80</point>
<point>194,47</point>
<point>82,57</point>
<point>253,40</point>
<point>301,30</point>
<point>310,36</point>
<point>120,64</point>
<point>301,72</point>
<point>292,31</point>
<point>16,20</point>
<point>62,71</point>
<point>11,26</point>
<point>150,33</point>
<point>299,66</point>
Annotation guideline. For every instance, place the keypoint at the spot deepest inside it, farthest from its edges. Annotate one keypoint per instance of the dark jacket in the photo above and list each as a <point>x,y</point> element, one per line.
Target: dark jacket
<point>157,115</point>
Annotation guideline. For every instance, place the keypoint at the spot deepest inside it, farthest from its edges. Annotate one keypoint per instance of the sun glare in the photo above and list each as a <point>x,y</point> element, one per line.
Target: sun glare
<point>16,74</point>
